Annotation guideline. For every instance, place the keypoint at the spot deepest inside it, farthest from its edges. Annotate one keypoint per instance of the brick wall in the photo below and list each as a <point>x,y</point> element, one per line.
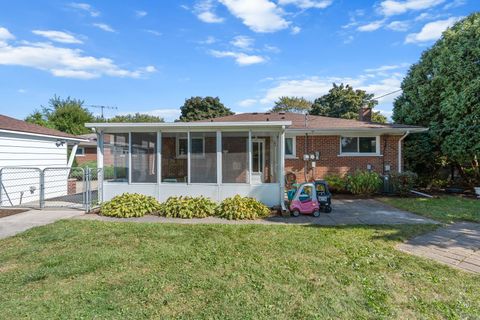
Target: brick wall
<point>90,155</point>
<point>331,162</point>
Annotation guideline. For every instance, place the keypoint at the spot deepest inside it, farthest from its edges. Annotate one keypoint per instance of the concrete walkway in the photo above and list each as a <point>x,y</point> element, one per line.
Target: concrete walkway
<point>17,223</point>
<point>457,245</point>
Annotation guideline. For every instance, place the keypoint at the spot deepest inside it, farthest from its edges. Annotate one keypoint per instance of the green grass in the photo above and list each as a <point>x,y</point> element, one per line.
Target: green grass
<point>90,269</point>
<point>444,209</point>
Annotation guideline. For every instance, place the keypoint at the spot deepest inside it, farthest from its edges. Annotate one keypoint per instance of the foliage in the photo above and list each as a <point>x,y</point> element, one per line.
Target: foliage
<point>67,115</point>
<point>336,182</point>
<point>108,171</point>
<point>238,208</point>
<point>129,205</point>
<point>342,101</point>
<point>198,108</point>
<point>363,183</point>
<point>441,92</point>
<point>403,182</point>
<point>187,207</point>
<point>292,104</point>
<point>137,117</point>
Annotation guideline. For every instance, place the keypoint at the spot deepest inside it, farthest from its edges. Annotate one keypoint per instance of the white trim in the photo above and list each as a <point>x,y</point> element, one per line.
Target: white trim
<point>219,157</point>
<point>358,153</point>
<point>188,158</point>
<point>159,157</point>
<point>294,147</point>
<point>249,155</point>
<point>129,164</point>
<point>354,131</point>
<point>262,165</point>
<point>180,125</point>
<point>44,135</point>
<point>184,156</point>
<point>78,149</point>
<point>73,154</point>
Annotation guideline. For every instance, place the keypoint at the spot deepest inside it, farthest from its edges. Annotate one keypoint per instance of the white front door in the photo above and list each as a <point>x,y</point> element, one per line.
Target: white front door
<point>258,160</point>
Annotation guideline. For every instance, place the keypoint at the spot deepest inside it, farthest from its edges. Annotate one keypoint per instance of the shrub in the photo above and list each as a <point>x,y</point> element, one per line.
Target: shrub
<point>336,182</point>
<point>403,182</point>
<point>238,207</point>
<point>108,171</point>
<point>129,205</point>
<point>363,182</point>
<point>187,207</point>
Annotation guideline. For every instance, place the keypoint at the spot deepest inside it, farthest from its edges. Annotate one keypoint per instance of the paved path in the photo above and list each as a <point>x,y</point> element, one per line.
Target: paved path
<point>457,245</point>
<point>345,212</point>
<point>17,223</point>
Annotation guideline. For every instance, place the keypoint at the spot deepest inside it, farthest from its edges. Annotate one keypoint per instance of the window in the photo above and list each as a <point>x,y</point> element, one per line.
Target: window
<point>80,151</point>
<point>144,157</point>
<point>115,157</point>
<point>290,144</point>
<point>197,147</point>
<point>359,145</point>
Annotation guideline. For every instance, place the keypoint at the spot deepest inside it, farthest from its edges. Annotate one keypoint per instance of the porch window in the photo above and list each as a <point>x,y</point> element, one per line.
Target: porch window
<point>144,157</point>
<point>235,157</point>
<point>203,157</point>
<point>359,145</point>
<point>174,157</point>
<point>115,158</point>
<point>290,147</point>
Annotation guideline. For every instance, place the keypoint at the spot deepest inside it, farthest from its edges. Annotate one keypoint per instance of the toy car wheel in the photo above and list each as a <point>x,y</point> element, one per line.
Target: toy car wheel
<point>328,209</point>
<point>316,213</point>
<point>295,213</point>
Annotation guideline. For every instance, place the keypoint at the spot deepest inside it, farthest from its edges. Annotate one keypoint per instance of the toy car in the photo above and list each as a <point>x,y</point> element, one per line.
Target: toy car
<point>310,198</point>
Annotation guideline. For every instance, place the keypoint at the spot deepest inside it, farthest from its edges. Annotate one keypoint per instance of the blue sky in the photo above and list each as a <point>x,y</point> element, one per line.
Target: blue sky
<point>149,56</point>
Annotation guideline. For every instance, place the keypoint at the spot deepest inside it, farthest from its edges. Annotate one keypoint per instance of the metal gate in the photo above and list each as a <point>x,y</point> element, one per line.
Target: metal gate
<point>56,187</point>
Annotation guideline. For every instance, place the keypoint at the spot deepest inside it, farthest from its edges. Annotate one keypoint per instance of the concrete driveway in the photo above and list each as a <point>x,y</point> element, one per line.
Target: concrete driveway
<point>20,222</point>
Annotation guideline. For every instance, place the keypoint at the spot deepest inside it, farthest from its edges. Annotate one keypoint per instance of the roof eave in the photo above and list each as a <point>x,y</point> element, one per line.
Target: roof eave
<point>187,125</point>
<point>352,130</point>
<point>43,135</point>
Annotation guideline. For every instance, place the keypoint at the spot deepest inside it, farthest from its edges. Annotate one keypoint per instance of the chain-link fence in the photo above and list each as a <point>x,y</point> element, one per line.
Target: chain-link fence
<point>49,187</point>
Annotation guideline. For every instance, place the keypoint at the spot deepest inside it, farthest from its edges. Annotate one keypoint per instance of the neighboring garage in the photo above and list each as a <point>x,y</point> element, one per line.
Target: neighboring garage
<point>25,151</point>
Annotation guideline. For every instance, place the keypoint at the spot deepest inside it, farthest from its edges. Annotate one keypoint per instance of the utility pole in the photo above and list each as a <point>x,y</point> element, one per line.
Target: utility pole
<point>102,108</point>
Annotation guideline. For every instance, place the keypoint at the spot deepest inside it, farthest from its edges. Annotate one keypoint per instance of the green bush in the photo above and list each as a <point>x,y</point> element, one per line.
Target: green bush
<point>187,207</point>
<point>130,205</point>
<point>336,182</point>
<point>108,171</point>
<point>403,182</point>
<point>363,183</point>
<point>238,207</point>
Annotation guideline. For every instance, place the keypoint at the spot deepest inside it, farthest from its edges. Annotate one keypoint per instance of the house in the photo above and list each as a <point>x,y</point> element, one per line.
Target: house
<point>87,150</point>
<point>247,154</point>
<point>25,150</point>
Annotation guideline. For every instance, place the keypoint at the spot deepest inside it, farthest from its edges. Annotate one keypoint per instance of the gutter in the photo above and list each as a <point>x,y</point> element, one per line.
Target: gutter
<point>400,151</point>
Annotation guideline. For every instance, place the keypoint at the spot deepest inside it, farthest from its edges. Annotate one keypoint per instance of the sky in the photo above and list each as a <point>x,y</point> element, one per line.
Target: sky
<point>149,56</point>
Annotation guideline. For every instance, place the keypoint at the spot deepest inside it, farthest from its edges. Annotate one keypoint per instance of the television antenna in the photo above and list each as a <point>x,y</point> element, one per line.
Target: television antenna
<point>102,108</point>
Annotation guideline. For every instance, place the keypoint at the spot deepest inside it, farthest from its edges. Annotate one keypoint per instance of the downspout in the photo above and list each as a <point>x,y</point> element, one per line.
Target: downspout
<point>400,151</point>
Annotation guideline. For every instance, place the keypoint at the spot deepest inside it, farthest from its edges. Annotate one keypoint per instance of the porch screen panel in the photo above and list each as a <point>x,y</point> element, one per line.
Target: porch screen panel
<point>235,157</point>
<point>115,157</point>
<point>203,157</point>
<point>144,157</point>
<point>174,157</point>
<point>265,155</point>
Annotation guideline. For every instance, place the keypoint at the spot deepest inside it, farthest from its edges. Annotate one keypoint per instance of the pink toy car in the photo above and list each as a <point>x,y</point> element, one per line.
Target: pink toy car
<point>305,201</point>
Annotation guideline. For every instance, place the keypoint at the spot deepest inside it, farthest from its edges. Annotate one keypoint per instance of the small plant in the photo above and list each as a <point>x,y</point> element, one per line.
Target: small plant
<point>403,182</point>
<point>239,208</point>
<point>187,207</point>
<point>363,183</point>
<point>336,182</point>
<point>129,205</point>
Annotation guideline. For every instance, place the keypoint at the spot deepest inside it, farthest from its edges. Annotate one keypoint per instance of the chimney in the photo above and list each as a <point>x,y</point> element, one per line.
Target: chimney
<point>365,114</point>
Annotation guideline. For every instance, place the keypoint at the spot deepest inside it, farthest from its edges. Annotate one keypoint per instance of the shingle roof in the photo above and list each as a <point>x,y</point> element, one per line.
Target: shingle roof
<point>301,121</point>
<point>11,124</point>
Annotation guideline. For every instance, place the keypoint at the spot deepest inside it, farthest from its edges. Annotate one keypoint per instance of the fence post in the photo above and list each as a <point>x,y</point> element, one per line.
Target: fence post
<point>1,188</point>
<point>87,189</point>
<point>42,188</point>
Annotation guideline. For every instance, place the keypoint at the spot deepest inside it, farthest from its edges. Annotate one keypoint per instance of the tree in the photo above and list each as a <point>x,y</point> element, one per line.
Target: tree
<point>441,92</point>
<point>292,104</point>
<point>342,101</point>
<point>137,117</point>
<point>198,108</point>
<point>67,115</point>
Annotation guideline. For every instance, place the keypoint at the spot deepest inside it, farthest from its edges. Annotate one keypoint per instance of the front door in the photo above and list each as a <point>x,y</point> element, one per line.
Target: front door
<point>258,160</point>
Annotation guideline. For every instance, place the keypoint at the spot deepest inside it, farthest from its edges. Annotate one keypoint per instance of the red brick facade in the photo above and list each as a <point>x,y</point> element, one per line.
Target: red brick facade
<point>332,163</point>
<point>90,155</point>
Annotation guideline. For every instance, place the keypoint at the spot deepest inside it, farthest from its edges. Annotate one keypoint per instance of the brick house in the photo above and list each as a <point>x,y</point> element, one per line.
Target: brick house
<point>247,154</point>
<point>87,150</point>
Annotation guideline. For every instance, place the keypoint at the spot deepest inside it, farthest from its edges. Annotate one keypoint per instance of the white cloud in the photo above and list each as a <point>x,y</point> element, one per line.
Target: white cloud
<point>393,7</point>
<point>247,103</point>
<point>154,32</point>
<point>205,12</point>
<point>372,26</point>
<point>208,40</point>
<point>307,4</point>
<point>398,25</point>
<point>454,4</point>
<point>259,15</point>
<point>242,42</point>
<point>64,62</point>
<point>104,27</point>
<point>295,30</point>
<point>241,58</point>
<point>140,13</point>
<point>85,7</point>
<point>431,31</point>
<point>388,67</point>
<point>22,91</point>
<point>57,36</point>
<point>5,35</point>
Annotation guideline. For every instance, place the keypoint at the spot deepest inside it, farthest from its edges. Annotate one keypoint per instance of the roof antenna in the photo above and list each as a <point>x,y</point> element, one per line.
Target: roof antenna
<point>306,120</point>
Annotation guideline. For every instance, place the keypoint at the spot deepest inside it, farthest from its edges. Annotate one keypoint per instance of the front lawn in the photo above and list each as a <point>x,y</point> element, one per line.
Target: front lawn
<point>445,209</point>
<point>90,269</point>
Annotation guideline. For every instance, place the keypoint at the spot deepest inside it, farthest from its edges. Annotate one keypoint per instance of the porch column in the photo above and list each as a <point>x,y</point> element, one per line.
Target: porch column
<point>100,165</point>
<point>281,166</point>
<point>249,150</point>
<point>129,165</point>
<point>188,156</point>
<point>219,157</point>
<point>159,157</point>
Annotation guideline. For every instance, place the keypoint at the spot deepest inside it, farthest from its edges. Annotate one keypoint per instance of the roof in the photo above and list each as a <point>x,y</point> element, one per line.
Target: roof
<point>91,140</point>
<point>19,126</point>
<point>302,122</point>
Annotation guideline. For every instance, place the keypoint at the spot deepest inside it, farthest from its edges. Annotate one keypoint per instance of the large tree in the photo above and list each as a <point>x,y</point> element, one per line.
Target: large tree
<point>137,117</point>
<point>292,104</point>
<point>67,115</point>
<point>442,92</point>
<point>198,108</point>
<point>342,101</point>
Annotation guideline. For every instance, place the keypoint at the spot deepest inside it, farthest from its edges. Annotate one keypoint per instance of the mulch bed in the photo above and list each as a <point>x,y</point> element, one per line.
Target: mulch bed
<point>10,212</point>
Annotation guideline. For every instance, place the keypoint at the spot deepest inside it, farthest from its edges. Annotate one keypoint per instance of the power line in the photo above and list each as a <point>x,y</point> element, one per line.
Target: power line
<point>387,94</point>
<point>101,108</point>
